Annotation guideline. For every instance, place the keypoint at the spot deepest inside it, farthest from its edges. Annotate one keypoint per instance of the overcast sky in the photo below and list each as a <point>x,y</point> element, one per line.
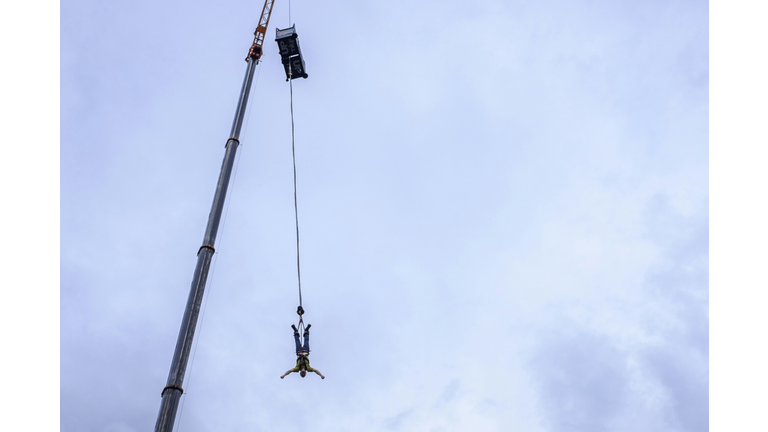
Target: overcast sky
<point>503,208</point>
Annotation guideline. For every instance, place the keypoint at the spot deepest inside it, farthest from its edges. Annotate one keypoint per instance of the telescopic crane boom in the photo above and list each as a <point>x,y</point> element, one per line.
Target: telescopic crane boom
<point>172,391</point>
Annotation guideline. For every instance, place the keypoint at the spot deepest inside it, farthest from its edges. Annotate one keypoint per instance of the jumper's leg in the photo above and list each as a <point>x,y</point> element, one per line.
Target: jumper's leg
<point>306,340</point>
<point>297,339</point>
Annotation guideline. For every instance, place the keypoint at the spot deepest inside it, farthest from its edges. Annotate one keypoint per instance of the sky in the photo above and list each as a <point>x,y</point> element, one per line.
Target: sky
<point>504,214</point>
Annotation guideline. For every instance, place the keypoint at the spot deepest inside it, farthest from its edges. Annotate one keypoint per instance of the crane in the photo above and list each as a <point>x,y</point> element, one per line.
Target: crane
<point>261,31</point>
<point>173,390</point>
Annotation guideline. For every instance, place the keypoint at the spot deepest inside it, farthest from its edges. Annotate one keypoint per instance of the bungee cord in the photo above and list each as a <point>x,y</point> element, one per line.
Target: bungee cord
<point>300,309</point>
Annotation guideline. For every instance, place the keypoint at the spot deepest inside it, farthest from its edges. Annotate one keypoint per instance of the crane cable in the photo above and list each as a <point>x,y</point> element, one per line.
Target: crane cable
<point>300,309</point>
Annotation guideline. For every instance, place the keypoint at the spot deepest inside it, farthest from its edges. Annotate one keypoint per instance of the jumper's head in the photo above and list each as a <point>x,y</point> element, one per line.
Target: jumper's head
<point>303,372</point>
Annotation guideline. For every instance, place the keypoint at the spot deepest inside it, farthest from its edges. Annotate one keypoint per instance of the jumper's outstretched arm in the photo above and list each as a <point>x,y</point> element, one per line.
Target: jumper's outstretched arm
<point>286,373</point>
<point>318,372</point>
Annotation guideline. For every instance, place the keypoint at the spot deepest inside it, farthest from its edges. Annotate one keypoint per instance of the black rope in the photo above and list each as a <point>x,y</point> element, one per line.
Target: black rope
<point>295,199</point>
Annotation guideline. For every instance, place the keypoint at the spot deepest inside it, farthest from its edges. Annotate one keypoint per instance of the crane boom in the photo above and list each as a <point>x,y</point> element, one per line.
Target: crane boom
<point>173,390</point>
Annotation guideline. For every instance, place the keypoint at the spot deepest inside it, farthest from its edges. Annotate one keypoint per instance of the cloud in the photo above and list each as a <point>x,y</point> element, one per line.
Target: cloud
<point>450,391</point>
<point>683,377</point>
<point>648,370</point>
<point>395,422</point>
<point>679,364</point>
<point>582,381</point>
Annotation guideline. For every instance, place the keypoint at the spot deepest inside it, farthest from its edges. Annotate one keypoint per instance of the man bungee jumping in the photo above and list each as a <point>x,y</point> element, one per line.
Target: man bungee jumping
<point>302,354</point>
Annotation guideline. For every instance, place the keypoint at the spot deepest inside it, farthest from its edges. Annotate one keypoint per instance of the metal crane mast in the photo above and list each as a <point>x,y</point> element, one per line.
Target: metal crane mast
<point>172,391</point>
<point>261,30</point>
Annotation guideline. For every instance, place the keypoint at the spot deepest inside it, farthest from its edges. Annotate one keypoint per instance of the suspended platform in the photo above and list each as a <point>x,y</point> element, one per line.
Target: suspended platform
<point>290,53</point>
